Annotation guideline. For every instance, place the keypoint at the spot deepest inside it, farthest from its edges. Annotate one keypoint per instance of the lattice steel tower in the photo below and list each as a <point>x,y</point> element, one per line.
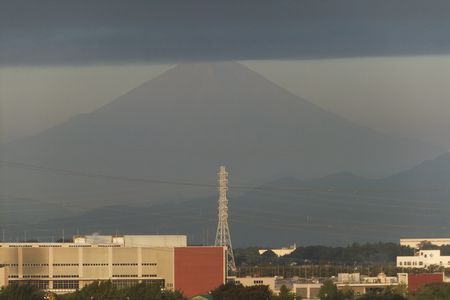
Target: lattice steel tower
<point>223,237</point>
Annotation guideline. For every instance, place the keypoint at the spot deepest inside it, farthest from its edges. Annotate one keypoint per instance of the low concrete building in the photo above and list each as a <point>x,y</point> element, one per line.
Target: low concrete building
<point>360,284</point>
<point>423,259</point>
<point>307,290</point>
<point>348,277</point>
<point>125,260</point>
<point>251,281</point>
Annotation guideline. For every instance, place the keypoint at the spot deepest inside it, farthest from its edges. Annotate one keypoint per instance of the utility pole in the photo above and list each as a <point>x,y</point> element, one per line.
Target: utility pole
<point>223,237</point>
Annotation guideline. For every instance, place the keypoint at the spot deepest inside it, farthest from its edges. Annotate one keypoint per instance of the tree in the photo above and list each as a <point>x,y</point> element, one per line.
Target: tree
<point>389,293</point>
<point>107,291</point>
<point>21,292</point>
<point>434,291</point>
<point>329,291</point>
<point>347,293</point>
<point>286,294</point>
<point>232,291</point>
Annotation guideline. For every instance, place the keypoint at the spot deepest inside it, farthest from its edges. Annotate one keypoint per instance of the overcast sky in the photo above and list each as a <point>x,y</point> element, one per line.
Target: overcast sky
<point>383,64</point>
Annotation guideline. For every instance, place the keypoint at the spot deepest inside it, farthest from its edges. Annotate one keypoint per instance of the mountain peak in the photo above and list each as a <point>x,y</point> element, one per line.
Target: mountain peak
<point>180,126</point>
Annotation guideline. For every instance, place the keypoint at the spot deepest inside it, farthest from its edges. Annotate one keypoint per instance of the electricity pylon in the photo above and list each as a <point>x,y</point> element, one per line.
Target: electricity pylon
<point>223,237</point>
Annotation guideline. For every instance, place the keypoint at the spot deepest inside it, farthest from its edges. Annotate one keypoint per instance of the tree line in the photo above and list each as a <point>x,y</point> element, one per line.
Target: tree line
<point>376,253</point>
<point>229,291</point>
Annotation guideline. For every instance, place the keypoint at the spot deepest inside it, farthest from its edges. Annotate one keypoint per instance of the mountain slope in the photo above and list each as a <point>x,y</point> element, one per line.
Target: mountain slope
<point>182,125</point>
<point>336,210</point>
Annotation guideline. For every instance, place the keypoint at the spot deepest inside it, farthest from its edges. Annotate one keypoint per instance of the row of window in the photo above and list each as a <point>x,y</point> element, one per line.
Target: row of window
<point>76,264</point>
<point>66,284</point>
<point>415,263</point>
<point>35,276</point>
<point>40,284</point>
<point>44,276</point>
<point>74,284</point>
<point>129,283</point>
<point>125,275</point>
<point>409,263</point>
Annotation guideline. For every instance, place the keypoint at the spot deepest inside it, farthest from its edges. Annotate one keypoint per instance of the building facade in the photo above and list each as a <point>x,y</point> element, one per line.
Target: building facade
<point>416,281</point>
<point>423,259</point>
<point>125,260</point>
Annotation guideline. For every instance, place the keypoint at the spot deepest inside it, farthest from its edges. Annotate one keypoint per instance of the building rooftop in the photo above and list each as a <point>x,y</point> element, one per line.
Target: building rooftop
<point>109,241</point>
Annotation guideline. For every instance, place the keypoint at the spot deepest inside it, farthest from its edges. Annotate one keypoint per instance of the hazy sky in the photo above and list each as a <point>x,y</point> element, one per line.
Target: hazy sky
<point>383,64</point>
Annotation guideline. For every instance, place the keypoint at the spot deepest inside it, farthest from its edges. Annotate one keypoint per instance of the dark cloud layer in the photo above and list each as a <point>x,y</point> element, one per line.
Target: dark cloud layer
<point>78,32</point>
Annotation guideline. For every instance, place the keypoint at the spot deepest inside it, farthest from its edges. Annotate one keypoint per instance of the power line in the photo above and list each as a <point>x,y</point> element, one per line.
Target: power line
<point>68,172</point>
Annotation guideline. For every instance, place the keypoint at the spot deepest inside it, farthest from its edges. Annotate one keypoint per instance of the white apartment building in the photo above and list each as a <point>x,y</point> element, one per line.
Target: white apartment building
<point>423,259</point>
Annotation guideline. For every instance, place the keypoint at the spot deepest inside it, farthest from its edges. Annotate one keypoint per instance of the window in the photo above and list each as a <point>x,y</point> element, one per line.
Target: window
<point>258,282</point>
<point>40,284</point>
<point>35,265</point>
<point>158,282</point>
<point>124,283</point>
<point>65,284</point>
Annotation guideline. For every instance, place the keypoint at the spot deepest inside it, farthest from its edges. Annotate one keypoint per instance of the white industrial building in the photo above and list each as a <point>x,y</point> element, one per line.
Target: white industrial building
<point>423,259</point>
<point>280,251</point>
<point>417,242</point>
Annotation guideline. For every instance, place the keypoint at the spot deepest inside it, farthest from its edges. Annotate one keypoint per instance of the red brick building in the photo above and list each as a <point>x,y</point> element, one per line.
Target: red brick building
<point>198,270</point>
<point>416,281</point>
